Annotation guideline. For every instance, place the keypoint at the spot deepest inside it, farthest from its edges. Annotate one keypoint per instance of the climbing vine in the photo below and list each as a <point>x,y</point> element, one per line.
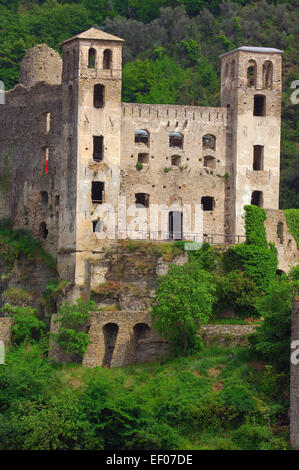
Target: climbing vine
<point>292,219</point>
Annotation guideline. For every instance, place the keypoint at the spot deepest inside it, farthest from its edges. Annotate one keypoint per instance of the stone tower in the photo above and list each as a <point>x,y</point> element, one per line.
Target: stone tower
<point>91,81</point>
<point>251,89</point>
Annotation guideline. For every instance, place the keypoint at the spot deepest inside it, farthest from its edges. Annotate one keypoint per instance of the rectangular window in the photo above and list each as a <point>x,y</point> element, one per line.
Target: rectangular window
<point>97,192</point>
<point>258,157</point>
<point>259,108</point>
<point>46,122</point>
<point>98,148</point>
<point>98,96</point>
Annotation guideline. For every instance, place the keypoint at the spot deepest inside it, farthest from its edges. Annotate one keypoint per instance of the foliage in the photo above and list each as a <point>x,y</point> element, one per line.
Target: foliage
<point>251,437</point>
<point>205,257</point>
<point>254,226</point>
<point>183,303</point>
<point>15,244</point>
<point>292,218</point>
<point>272,337</point>
<point>139,166</point>
<point>27,327</point>
<point>71,319</point>
<point>237,292</point>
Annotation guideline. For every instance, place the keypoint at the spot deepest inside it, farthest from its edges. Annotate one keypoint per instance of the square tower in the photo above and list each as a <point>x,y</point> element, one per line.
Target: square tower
<point>91,81</point>
<point>251,89</point>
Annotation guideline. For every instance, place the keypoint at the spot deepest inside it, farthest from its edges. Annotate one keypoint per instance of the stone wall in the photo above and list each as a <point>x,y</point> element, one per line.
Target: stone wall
<point>227,335</point>
<point>5,330</point>
<point>287,251</point>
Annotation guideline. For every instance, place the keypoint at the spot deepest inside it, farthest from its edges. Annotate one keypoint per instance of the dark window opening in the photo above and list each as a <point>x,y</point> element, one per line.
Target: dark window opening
<point>141,136</point>
<point>259,108</point>
<point>208,203</point>
<point>209,161</point>
<point>43,231</point>
<point>175,224</point>
<point>57,200</point>
<point>97,226</point>
<point>209,142</point>
<point>267,74</point>
<point>176,160</point>
<point>280,232</point>
<point>97,192</point>
<point>142,200</point>
<point>176,139</point>
<point>251,74</point>
<point>107,59</point>
<point>258,157</point>
<point>92,58</point>
<point>257,198</point>
<point>98,96</point>
<point>44,197</point>
<point>143,157</point>
<point>142,343</point>
<point>98,148</point>
<point>110,331</point>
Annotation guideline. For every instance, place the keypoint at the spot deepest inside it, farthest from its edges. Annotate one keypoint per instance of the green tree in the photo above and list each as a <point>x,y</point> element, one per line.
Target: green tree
<point>71,319</point>
<point>272,338</point>
<point>27,327</point>
<point>183,302</point>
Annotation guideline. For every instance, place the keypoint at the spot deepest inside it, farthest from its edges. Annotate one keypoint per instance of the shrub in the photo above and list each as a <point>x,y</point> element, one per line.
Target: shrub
<point>292,219</point>
<point>72,318</point>
<point>205,257</point>
<point>272,337</point>
<point>183,303</point>
<point>237,292</point>
<point>251,437</point>
<point>27,327</point>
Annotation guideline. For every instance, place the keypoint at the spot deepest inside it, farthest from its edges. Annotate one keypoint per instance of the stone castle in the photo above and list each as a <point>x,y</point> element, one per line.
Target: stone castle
<point>70,151</point>
<point>80,169</point>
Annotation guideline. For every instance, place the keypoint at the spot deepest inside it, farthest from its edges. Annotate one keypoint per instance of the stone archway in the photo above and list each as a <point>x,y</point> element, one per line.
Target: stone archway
<point>142,342</point>
<point>110,332</point>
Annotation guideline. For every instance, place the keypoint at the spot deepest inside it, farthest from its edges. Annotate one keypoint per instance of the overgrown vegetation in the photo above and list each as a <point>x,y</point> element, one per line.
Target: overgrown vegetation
<point>292,218</point>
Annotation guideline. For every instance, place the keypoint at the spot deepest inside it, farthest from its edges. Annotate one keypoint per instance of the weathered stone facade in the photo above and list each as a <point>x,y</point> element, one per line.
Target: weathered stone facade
<point>69,150</point>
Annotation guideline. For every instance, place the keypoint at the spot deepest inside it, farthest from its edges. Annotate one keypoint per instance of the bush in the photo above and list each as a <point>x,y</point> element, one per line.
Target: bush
<point>237,292</point>
<point>272,338</point>
<point>27,327</point>
<point>205,257</point>
<point>258,263</point>
<point>183,303</point>
<point>251,437</point>
<point>72,319</point>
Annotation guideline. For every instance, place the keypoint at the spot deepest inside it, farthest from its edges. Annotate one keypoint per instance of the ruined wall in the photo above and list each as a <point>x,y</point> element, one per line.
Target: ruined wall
<point>169,184</point>
<point>41,64</point>
<point>287,251</point>
<point>5,330</point>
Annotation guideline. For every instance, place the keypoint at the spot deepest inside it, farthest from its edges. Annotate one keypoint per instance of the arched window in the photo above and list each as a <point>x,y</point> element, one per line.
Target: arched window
<point>92,54</point>
<point>107,59</point>
<point>110,331</point>
<point>98,96</point>
<point>176,139</point>
<point>141,137</point>
<point>209,142</point>
<point>267,74</point>
<point>209,161</point>
<point>251,73</point>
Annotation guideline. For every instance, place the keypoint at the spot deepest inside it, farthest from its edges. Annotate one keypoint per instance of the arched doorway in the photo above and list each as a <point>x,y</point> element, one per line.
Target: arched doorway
<point>110,331</point>
<point>142,346</point>
<point>175,225</point>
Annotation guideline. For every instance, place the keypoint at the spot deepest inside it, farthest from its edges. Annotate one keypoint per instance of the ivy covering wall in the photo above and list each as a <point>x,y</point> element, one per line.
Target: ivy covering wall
<point>292,219</point>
